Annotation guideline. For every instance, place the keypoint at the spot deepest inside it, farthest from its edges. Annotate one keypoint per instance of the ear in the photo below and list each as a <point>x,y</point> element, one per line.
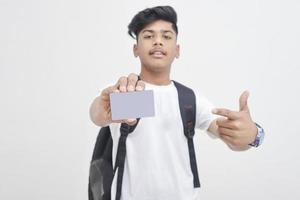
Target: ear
<point>177,51</point>
<point>135,50</point>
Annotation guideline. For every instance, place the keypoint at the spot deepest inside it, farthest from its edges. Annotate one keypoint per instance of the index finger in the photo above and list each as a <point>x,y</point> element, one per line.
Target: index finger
<point>109,90</point>
<point>105,93</point>
<point>226,113</point>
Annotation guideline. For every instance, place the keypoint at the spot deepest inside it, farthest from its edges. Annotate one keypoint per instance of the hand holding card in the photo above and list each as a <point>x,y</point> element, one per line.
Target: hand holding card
<point>100,110</point>
<point>128,105</point>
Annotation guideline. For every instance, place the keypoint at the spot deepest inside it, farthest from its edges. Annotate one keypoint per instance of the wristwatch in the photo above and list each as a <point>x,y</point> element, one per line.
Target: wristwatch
<point>259,136</point>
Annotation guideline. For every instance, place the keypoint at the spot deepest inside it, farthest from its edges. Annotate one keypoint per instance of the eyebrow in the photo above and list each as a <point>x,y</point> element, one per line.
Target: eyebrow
<point>162,31</point>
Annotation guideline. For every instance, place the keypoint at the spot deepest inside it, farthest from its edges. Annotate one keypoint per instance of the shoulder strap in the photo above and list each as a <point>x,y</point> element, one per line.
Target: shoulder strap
<point>187,104</point>
<point>125,130</point>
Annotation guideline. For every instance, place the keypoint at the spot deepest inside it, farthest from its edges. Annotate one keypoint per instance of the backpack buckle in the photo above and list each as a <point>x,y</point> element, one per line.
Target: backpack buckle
<point>190,130</point>
<point>125,129</point>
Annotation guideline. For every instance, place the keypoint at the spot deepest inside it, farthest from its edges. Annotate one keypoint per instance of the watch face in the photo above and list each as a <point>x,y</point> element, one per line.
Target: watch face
<point>261,135</point>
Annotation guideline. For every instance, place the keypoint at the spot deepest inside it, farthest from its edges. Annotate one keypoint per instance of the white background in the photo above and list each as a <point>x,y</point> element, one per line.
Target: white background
<point>56,56</point>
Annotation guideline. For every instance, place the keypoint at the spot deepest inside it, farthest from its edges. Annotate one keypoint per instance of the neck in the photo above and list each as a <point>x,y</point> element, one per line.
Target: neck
<point>155,78</point>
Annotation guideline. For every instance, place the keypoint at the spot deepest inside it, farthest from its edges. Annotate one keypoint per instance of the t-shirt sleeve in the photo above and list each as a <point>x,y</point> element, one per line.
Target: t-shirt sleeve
<point>204,115</point>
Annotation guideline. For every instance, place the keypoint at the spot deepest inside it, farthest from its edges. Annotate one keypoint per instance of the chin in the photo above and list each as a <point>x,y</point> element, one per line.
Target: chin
<point>158,68</point>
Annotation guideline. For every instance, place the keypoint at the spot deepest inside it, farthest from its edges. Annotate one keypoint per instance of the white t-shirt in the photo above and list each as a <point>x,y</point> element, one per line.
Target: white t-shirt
<point>157,165</point>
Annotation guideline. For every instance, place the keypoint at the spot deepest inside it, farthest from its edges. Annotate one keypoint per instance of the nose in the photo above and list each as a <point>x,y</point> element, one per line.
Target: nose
<point>157,41</point>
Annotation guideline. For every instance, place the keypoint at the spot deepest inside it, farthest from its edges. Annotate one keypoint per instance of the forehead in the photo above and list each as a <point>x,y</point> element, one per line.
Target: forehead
<point>158,26</point>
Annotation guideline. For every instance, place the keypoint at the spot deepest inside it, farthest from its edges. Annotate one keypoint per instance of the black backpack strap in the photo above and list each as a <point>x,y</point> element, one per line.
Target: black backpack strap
<point>125,130</point>
<point>187,104</point>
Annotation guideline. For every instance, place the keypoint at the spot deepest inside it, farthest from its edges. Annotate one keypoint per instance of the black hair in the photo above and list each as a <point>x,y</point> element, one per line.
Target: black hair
<point>149,15</point>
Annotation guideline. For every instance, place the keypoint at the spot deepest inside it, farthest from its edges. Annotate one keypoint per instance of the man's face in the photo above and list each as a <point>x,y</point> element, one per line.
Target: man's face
<point>156,46</point>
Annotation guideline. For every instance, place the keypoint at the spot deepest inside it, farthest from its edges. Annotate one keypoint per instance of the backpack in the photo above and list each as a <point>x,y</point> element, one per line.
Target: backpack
<point>101,167</point>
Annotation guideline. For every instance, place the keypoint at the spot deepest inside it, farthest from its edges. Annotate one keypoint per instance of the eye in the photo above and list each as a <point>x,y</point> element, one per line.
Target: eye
<point>148,36</point>
<point>167,37</point>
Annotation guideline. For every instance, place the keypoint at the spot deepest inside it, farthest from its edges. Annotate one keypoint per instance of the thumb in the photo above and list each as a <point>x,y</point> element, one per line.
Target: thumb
<point>243,101</point>
<point>130,122</point>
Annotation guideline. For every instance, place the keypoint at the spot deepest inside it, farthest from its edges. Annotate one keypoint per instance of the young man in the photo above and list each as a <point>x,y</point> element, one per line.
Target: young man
<point>157,162</point>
